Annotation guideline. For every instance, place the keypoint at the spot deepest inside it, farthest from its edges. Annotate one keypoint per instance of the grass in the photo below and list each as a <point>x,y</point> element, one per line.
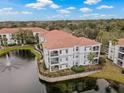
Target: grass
<point>110,72</point>
<point>31,48</point>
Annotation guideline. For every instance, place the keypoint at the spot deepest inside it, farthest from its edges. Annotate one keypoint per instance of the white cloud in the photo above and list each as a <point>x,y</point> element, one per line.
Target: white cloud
<point>85,10</point>
<point>71,8</point>
<point>54,6</point>
<point>64,11</point>
<point>97,15</point>
<point>105,7</point>
<point>67,10</point>
<point>6,9</point>
<point>91,2</point>
<point>93,14</point>
<point>11,11</point>
<point>42,3</point>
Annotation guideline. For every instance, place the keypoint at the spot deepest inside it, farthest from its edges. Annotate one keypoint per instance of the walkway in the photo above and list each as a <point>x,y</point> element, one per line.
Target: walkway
<point>68,77</point>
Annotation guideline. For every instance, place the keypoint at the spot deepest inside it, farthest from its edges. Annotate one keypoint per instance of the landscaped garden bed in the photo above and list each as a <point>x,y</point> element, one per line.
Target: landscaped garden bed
<point>65,72</point>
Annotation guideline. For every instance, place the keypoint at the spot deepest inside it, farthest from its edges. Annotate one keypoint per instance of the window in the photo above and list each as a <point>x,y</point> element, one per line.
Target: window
<point>77,56</point>
<point>66,50</point>
<point>60,51</point>
<point>54,53</point>
<point>66,59</point>
<point>60,60</point>
<point>77,49</point>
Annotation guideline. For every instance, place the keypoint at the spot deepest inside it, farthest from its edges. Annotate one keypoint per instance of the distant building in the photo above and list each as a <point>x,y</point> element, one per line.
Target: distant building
<point>62,50</point>
<point>7,33</point>
<point>116,52</point>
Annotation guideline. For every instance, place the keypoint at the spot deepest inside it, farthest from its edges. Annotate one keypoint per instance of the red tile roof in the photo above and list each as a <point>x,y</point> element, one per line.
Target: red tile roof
<point>87,41</point>
<point>121,41</point>
<point>13,30</point>
<point>60,39</point>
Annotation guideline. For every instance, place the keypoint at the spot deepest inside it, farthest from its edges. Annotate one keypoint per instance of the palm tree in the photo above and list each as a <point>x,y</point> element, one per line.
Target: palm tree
<point>90,57</point>
<point>24,37</point>
<point>1,41</point>
<point>114,43</point>
<point>100,36</point>
<point>30,39</point>
<point>4,40</point>
<point>37,38</point>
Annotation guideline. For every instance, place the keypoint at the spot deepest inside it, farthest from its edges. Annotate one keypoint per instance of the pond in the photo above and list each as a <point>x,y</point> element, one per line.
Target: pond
<point>18,74</point>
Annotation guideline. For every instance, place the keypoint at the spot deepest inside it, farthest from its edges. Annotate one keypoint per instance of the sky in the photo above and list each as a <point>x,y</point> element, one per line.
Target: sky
<point>44,10</point>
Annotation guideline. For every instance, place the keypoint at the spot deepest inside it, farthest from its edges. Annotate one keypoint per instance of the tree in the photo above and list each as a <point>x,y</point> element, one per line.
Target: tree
<point>24,37</point>
<point>4,40</point>
<point>100,36</point>
<point>1,40</point>
<point>37,38</point>
<point>90,57</point>
<point>114,43</point>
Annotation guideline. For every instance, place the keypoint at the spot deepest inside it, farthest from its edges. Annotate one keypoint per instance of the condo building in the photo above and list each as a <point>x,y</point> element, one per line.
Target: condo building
<point>116,52</point>
<point>7,34</point>
<point>61,50</point>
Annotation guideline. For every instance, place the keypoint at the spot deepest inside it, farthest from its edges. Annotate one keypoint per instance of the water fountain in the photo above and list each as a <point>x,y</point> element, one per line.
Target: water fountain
<point>9,64</point>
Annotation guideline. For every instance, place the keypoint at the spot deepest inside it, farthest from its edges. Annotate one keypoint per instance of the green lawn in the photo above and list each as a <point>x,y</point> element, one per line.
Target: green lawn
<point>31,48</point>
<point>110,72</point>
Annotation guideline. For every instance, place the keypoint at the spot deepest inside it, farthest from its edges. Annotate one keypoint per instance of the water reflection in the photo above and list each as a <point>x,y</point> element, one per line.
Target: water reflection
<point>23,77</point>
<point>84,85</point>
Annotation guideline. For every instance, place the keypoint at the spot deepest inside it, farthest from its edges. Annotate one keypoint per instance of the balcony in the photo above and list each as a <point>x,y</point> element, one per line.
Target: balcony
<point>55,68</point>
<point>120,63</point>
<point>95,61</point>
<point>121,49</point>
<point>121,56</point>
<point>96,48</point>
<point>96,54</point>
<point>54,53</point>
<point>54,60</point>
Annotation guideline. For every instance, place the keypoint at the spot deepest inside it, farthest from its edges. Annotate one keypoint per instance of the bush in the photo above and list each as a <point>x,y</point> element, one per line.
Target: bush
<point>96,88</point>
<point>102,53</point>
<point>108,89</point>
<point>12,44</point>
<point>122,70</point>
<point>78,69</point>
<point>102,61</point>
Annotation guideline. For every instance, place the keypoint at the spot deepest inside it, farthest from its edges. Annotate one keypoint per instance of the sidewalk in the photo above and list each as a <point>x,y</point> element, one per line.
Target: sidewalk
<point>62,78</point>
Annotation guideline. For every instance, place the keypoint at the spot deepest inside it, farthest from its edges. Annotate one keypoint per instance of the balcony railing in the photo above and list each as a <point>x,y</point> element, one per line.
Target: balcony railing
<point>95,48</point>
<point>55,68</point>
<point>121,49</point>
<point>54,53</point>
<point>121,56</point>
<point>54,60</point>
<point>120,63</point>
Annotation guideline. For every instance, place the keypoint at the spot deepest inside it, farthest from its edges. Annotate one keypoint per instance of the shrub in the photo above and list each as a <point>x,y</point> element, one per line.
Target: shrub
<point>96,88</point>
<point>102,61</point>
<point>78,69</point>
<point>108,89</point>
<point>102,53</point>
<point>122,70</point>
<point>13,44</point>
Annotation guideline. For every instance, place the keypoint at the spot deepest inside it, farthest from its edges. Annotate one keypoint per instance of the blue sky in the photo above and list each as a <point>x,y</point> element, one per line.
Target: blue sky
<point>30,10</point>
